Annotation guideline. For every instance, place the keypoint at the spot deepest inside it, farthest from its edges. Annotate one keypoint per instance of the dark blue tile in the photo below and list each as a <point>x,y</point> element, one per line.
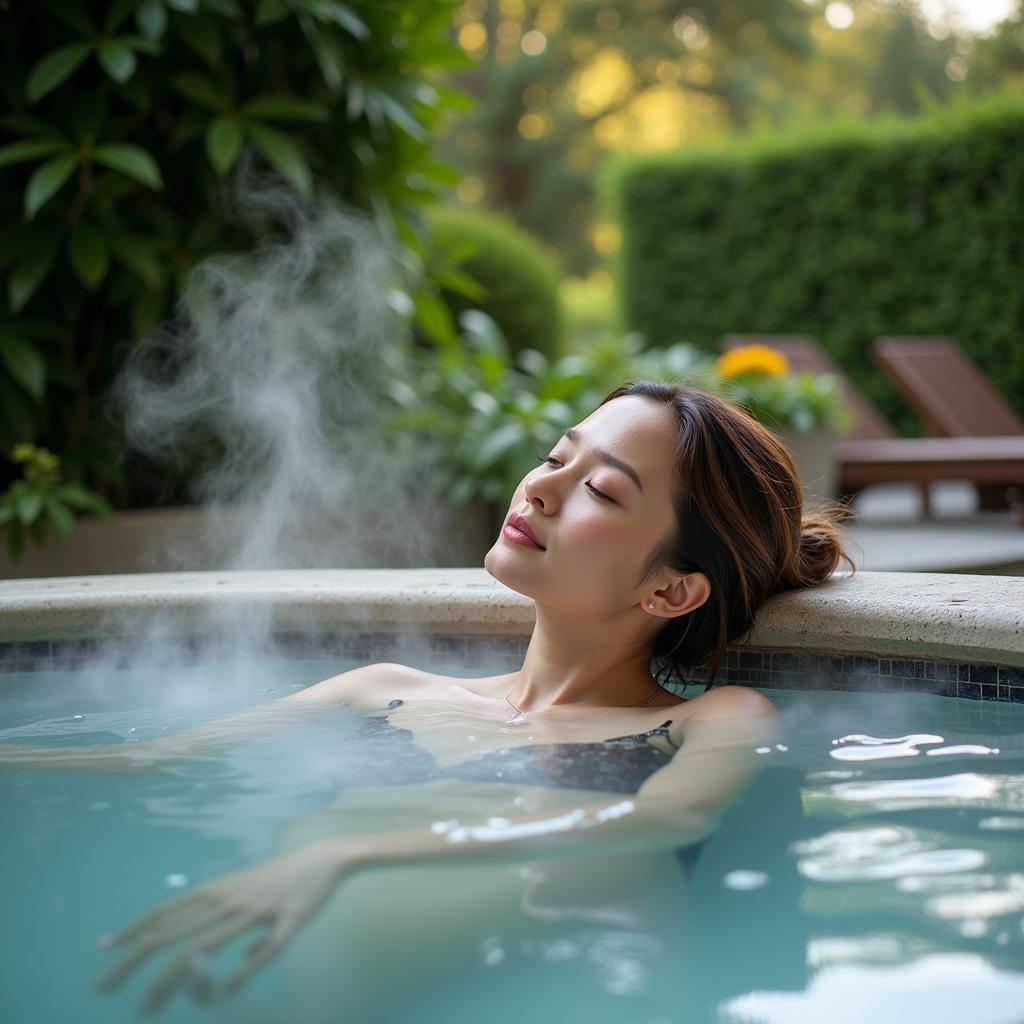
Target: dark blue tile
<point>901,667</point>
<point>782,662</point>
<point>971,690</point>
<point>1015,694</point>
<point>1011,675</point>
<point>859,664</point>
<point>983,673</point>
<point>885,666</point>
<point>751,659</point>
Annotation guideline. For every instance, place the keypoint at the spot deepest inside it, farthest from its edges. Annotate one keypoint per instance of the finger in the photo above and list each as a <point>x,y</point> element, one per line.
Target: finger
<point>263,951</point>
<point>106,941</point>
<point>191,963</point>
<point>161,935</point>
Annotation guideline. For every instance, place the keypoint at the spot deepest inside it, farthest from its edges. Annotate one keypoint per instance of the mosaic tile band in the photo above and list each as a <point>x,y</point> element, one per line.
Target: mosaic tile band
<point>771,669</point>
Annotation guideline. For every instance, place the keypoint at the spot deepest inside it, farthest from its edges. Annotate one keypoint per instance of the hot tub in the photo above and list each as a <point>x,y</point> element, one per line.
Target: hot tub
<point>873,867</point>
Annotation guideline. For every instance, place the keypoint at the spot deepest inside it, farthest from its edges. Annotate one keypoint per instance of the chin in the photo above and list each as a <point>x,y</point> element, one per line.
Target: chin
<point>494,565</point>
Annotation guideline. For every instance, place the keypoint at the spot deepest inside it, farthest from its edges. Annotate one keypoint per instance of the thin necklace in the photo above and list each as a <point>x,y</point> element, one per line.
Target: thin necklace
<point>521,717</point>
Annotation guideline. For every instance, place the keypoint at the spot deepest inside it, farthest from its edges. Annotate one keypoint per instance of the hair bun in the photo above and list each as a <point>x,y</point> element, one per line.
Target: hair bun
<point>822,545</point>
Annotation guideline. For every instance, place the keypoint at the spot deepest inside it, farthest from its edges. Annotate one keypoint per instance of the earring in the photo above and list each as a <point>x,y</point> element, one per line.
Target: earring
<point>650,604</point>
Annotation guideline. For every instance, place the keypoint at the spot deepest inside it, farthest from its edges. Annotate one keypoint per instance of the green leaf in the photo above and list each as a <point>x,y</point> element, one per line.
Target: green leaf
<point>286,108</point>
<point>31,149</point>
<point>284,156</point>
<point>340,14</point>
<point>46,180</point>
<point>151,17</point>
<point>200,90</point>
<point>117,60</point>
<point>497,444</point>
<point>54,68</point>
<point>129,160</point>
<point>29,505</point>
<point>328,57</point>
<point>223,141</point>
<point>185,6</point>
<point>434,318</point>
<point>23,363</point>
<point>80,498</point>
<point>58,514</point>
<point>90,255</point>
<point>31,272</point>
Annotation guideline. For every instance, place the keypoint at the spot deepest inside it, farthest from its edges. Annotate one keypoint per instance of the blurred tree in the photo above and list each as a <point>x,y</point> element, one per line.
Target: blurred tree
<point>998,58</point>
<point>562,83</point>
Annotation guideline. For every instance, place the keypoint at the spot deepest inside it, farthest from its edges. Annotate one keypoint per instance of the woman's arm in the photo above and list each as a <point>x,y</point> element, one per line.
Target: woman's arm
<point>280,895</point>
<point>285,892</point>
<point>132,758</point>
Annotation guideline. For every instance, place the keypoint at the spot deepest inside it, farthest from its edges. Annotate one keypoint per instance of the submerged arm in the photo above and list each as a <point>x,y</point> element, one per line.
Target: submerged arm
<point>131,758</point>
<point>674,808</point>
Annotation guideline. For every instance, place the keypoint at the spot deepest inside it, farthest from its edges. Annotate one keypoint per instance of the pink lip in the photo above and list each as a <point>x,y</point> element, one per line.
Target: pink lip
<point>517,530</point>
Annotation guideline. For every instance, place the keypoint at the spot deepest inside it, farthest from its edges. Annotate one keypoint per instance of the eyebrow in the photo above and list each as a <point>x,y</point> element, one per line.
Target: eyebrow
<point>606,457</point>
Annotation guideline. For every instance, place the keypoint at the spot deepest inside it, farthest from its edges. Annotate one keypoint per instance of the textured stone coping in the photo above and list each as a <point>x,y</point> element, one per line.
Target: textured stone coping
<point>908,615</point>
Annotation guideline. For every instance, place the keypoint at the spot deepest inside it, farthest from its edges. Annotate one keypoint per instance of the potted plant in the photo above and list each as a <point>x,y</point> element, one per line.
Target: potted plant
<point>805,409</point>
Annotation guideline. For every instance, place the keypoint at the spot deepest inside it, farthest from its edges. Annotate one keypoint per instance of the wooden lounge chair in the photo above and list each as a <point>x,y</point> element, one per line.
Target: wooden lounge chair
<point>951,396</point>
<point>872,452</point>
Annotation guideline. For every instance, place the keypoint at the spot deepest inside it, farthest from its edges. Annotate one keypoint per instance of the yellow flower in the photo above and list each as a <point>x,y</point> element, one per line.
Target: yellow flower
<point>752,359</point>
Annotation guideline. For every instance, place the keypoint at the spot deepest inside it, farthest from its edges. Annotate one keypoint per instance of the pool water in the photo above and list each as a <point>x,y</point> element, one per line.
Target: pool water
<point>872,869</point>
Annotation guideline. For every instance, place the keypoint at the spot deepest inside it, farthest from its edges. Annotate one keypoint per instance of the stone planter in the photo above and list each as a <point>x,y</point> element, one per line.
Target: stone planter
<point>814,455</point>
<point>194,539</point>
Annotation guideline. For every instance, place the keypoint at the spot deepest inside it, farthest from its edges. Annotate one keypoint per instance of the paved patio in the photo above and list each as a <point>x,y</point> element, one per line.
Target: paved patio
<point>892,535</point>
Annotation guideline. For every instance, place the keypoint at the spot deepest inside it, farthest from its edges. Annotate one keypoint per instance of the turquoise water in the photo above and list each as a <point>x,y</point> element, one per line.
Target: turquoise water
<point>873,869</point>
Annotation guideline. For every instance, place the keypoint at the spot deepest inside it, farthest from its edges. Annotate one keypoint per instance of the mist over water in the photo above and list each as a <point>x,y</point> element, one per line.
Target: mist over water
<point>270,378</point>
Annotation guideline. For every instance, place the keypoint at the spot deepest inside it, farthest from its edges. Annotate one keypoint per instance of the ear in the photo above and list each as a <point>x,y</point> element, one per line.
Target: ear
<point>682,595</point>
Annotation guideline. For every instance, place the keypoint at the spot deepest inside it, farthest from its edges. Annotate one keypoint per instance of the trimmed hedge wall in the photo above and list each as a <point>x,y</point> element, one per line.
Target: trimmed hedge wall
<point>845,232</point>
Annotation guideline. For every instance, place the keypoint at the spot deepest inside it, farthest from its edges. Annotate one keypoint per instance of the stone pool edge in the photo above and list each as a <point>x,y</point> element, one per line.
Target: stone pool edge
<point>909,616</point>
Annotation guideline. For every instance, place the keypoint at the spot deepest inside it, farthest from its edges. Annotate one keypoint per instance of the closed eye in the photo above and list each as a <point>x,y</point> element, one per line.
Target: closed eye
<point>593,490</point>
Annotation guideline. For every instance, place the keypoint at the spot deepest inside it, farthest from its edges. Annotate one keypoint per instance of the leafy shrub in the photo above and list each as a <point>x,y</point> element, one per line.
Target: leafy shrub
<point>122,124</point>
<point>40,499</point>
<point>478,414</point>
<point>519,281</point>
<point>844,231</point>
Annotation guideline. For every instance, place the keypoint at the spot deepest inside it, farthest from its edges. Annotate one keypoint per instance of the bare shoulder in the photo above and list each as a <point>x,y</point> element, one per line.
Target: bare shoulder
<point>367,684</point>
<point>730,701</point>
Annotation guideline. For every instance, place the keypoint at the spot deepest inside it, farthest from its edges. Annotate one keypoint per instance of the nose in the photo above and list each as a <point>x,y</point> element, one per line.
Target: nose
<point>541,490</point>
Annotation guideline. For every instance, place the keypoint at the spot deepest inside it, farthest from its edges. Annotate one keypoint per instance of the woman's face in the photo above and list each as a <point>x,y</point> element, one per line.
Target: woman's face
<point>594,546</point>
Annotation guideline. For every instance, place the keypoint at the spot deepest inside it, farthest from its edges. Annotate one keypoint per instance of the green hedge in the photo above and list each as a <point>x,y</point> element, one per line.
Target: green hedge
<point>843,231</point>
<point>518,278</point>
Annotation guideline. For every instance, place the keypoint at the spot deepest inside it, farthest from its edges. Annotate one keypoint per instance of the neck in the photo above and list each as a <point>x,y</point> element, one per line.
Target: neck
<point>581,665</point>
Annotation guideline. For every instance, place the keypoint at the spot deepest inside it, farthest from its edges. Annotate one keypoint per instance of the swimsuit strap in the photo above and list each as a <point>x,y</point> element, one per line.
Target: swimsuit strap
<point>641,737</point>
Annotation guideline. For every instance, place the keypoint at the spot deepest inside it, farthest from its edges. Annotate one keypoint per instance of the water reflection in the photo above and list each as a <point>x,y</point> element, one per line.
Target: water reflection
<point>936,987</point>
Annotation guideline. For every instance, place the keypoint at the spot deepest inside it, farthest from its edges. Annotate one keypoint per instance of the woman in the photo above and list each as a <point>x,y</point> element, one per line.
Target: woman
<point>652,532</point>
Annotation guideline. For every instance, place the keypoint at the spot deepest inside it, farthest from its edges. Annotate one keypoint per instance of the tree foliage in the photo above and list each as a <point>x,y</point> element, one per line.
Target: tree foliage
<point>121,125</point>
<point>563,84</point>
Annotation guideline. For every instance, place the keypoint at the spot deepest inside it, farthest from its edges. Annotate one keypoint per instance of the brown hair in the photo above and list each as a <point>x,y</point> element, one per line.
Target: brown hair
<point>739,520</point>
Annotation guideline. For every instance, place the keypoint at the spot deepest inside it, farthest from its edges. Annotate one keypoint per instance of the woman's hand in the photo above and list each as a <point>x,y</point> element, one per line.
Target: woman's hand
<point>280,895</point>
